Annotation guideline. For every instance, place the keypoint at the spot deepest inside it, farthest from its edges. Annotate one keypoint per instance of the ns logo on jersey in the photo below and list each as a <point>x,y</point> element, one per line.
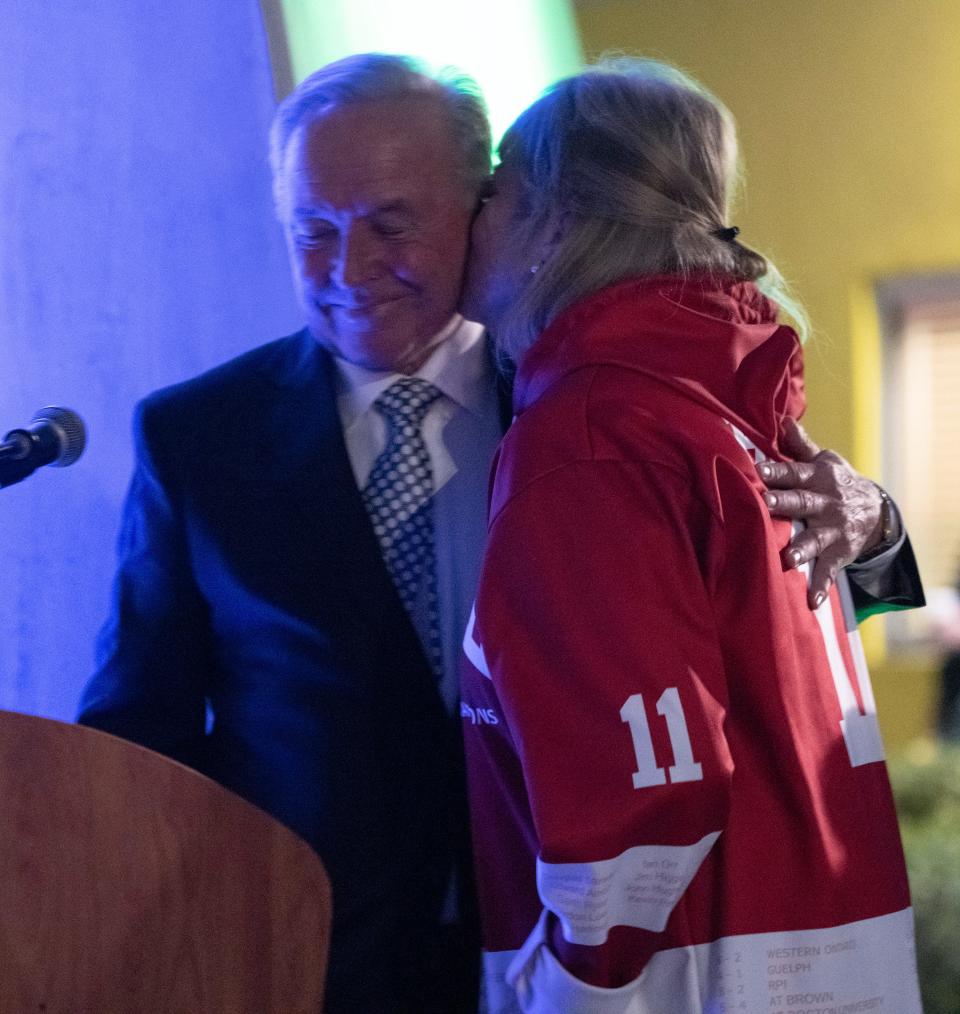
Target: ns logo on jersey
<point>478,716</point>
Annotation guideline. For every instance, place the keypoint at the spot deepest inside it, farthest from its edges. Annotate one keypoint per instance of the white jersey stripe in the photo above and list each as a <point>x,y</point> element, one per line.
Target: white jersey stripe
<point>639,887</point>
<point>857,967</point>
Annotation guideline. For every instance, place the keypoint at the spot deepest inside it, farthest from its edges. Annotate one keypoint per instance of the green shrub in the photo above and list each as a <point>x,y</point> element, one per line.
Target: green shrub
<point>926,783</point>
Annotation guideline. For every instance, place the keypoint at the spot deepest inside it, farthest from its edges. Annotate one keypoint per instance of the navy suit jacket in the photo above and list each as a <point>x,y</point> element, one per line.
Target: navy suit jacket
<point>250,579</point>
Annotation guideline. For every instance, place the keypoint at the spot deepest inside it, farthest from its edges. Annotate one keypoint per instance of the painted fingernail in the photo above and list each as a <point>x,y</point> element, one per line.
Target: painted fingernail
<point>766,471</point>
<point>770,499</point>
<point>796,556</point>
<point>818,600</point>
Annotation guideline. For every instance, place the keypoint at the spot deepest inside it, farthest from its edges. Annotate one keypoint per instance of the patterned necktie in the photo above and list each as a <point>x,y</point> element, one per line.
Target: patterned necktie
<point>398,497</point>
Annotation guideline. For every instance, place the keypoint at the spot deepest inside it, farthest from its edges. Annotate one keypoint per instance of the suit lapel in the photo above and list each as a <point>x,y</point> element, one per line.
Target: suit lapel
<point>338,554</point>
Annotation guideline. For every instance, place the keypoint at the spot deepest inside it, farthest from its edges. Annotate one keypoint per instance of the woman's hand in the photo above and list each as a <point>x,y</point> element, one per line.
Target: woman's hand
<point>841,508</point>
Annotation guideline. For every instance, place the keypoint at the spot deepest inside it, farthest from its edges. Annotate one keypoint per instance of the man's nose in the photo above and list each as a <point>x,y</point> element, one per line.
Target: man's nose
<point>356,260</point>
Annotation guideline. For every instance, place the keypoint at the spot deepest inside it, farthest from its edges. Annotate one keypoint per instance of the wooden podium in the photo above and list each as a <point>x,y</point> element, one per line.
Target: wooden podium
<point>131,884</point>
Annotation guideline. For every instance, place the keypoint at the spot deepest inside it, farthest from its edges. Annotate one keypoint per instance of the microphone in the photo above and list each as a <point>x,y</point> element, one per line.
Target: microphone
<point>55,437</point>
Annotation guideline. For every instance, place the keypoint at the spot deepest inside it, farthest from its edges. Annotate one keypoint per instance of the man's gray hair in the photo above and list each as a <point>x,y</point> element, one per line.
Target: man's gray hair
<point>637,163</point>
<point>369,77</point>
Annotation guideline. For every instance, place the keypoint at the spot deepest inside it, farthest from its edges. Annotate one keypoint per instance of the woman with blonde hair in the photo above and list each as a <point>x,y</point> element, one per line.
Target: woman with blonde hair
<point>679,793</point>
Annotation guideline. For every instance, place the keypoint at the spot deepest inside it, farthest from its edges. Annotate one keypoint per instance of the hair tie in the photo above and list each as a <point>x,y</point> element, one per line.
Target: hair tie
<point>728,235</point>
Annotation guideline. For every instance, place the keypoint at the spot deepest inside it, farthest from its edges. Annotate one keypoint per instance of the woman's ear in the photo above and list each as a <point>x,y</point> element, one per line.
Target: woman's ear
<point>554,230</point>
<point>558,227</point>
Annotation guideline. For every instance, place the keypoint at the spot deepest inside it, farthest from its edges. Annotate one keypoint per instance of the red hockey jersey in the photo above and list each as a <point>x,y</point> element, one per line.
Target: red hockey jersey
<point>680,802</point>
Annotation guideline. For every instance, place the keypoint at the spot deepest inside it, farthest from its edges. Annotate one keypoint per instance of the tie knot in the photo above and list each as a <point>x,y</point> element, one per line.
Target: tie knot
<point>407,400</point>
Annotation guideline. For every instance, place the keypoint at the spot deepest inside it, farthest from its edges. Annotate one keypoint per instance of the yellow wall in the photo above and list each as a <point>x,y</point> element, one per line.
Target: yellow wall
<point>849,118</point>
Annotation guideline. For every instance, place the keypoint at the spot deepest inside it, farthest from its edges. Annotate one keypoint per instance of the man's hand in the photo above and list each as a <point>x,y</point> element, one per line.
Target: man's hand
<point>840,506</point>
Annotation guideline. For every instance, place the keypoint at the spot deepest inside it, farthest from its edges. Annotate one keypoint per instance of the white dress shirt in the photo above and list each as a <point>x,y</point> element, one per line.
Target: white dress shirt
<point>461,431</point>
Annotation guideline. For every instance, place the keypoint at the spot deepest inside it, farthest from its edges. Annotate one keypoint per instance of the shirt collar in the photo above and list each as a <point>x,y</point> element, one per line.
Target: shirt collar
<point>459,366</point>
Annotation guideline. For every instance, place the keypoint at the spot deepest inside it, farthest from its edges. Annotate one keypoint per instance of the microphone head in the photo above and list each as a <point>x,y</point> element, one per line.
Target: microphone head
<point>70,431</point>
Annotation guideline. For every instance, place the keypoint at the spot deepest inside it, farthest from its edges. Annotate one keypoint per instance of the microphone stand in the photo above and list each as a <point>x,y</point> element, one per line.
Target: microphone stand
<point>13,471</point>
<point>15,457</point>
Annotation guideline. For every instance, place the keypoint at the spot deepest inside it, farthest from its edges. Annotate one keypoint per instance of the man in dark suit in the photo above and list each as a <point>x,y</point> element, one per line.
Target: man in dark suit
<point>304,527</point>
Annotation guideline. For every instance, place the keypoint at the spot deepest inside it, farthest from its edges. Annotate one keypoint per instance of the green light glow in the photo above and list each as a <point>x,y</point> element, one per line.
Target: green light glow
<point>513,48</point>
